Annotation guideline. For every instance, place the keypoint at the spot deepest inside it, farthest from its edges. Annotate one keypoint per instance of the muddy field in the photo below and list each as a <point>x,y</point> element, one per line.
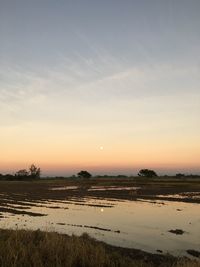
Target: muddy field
<point>18,196</point>
<point>157,216</point>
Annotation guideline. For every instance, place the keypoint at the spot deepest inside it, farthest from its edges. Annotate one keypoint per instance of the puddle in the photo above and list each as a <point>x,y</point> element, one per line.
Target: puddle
<point>113,188</point>
<point>64,188</point>
<point>193,195</point>
<point>95,188</point>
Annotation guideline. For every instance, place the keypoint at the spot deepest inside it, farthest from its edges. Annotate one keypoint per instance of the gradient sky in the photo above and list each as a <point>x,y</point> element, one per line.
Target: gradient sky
<point>109,86</point>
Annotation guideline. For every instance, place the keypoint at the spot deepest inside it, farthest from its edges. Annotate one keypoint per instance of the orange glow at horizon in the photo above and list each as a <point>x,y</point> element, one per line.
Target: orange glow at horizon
<point>53,153</point>
<point>59,146</point>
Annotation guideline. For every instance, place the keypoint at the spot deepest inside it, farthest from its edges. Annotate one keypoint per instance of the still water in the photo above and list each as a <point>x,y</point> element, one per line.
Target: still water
<point>135,224</point>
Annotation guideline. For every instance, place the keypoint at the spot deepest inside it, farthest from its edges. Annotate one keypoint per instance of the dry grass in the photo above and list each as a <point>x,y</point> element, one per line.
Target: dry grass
<point>184,263</point>
<point>40,249</point>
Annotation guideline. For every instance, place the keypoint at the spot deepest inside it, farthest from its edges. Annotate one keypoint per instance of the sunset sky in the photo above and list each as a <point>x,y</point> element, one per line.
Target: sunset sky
<point>110,86</point>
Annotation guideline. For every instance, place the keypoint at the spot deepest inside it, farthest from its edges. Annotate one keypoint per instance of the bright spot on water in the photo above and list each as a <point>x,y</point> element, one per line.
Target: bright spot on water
<point>102,210</point>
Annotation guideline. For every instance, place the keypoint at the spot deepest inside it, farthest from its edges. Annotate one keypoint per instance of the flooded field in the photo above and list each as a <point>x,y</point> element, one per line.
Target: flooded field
<point>156,225</point>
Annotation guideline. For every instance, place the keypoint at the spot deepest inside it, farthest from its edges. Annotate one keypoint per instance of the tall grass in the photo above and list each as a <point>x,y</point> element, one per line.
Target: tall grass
<point>22,248</point>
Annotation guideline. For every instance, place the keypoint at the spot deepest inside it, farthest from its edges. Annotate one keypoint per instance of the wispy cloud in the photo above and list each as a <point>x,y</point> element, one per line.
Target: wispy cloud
<point>85,83</point>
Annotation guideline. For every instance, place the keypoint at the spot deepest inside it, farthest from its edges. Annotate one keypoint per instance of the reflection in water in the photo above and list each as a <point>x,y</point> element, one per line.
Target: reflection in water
<point>64,188</point>
<point>111,188</point>
<point>96,188</point>
<point>192,195</point>
<point>134,224</point>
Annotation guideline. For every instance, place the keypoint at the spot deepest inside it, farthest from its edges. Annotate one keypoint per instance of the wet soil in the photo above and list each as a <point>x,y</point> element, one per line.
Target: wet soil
<point>177,231</point>
<point>194,253</point>
<point>17,197</point>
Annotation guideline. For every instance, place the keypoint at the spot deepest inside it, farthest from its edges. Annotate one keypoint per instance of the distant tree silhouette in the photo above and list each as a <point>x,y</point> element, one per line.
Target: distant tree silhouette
<point>121,176</point>
<point>22,174</point>
<point>179,175</point>
<point>9,176</point>
<point>34,172</point>
<point>147,173</point>
<point>84,174</point>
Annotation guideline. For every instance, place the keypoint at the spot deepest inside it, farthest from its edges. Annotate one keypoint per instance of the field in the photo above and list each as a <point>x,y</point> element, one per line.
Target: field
<point>26,204</point>
<point>157,189</point>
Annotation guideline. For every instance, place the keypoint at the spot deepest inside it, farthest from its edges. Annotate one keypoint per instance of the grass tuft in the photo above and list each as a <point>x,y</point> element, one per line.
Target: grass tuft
<point>21,248</point>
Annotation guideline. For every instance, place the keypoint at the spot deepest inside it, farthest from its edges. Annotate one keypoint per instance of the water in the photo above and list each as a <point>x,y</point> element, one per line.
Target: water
<point>135,224</point>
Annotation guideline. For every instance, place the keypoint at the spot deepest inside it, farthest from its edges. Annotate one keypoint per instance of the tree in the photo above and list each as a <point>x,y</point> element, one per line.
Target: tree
<point>34,172</point>
<point>84,174</point>
<point>9,176</point>
<point>180,175</point>
<point>147,173</point>
<point>22,174</point>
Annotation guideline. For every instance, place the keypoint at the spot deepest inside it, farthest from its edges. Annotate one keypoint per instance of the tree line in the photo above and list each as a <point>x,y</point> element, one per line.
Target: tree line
<point>34,172</point>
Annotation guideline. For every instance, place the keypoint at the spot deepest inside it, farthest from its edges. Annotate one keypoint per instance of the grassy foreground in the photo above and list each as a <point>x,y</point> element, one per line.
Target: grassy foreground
<point>20,248</point>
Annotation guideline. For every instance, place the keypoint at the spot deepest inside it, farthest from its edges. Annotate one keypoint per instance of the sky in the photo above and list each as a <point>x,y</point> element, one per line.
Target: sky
<point>109,86</point>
